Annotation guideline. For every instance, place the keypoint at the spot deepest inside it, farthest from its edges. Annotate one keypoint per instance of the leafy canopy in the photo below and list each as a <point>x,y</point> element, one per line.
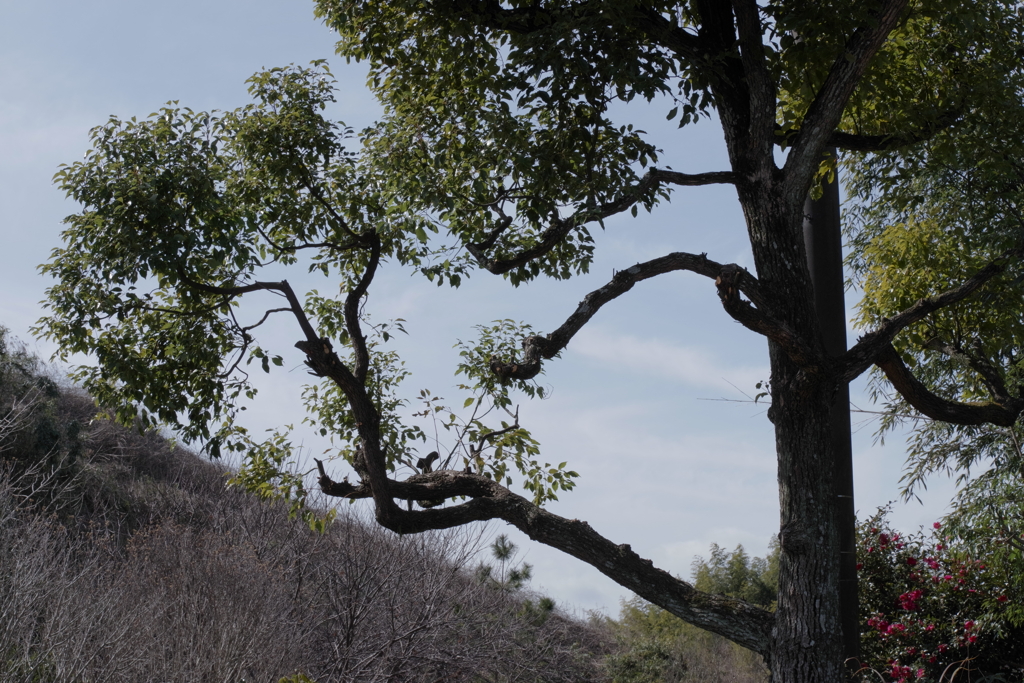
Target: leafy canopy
<point>183,211</point>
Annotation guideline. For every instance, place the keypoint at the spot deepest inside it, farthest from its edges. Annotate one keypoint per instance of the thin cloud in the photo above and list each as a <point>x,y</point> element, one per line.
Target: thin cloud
<point>692,365</point>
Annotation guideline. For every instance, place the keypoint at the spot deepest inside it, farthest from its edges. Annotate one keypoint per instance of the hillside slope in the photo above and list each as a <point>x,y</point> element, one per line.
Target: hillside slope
<point>125,558</point>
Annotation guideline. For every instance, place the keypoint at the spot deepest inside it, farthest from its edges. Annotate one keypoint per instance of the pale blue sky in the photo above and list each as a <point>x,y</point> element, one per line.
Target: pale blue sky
<point>661,468</point>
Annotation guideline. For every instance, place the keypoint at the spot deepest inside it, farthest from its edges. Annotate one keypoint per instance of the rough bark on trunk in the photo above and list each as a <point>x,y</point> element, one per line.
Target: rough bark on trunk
<point>806,642</point>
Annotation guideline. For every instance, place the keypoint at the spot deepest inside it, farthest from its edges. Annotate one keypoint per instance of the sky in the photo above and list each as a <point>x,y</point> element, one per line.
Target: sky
<point>649,403</point>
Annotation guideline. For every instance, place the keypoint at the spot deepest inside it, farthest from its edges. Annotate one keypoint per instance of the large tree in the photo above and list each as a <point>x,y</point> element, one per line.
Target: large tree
<point>501,147</point>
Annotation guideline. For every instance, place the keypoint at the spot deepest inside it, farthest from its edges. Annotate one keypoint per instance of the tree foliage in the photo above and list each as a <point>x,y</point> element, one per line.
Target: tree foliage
<point>736,574</point>
<point>925,215</point>
<point>656,646</point>
<point>502,148</point>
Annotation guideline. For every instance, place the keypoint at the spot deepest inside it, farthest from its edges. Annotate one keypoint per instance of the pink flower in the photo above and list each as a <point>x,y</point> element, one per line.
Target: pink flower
<point>883,540</point>
<point>908,601</point>
<point>929,627</point>
<point>943,647</point>
<point>920,673</point>
<point>939,546</point>
<point>1002,598</point>
<point>972,639</point>
<point>911,561</point>
<point>937,525</point>
<point>968,625</point>
<point>932,563</point>
<point>895,629</point>
<point>900,673</point>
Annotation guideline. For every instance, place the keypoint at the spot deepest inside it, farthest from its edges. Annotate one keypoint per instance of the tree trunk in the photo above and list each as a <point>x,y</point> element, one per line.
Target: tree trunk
<point>806,645</point>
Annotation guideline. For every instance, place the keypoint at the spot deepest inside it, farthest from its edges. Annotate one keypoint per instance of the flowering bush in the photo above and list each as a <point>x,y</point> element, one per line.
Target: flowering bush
<point>932,612</point>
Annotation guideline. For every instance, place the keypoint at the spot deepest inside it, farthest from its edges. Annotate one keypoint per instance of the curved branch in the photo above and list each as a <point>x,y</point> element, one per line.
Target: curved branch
<point>304,245</point>
<point>868,348</point>
<point>316,193</point>
<point>561,227</point>
<point>266,314</point>
<point>539,348</point>
<point>355,331</point>
<point>736,620</point>
<point>1004,414</point>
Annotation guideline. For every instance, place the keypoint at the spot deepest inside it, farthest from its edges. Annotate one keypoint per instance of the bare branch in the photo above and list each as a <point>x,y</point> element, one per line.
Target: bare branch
<point>736,620</point>
<point>855,142</point>
<point>1003,413</point>
<point>559,228</point>
<point>230,290</point>
<point>692,179</point>
<point>539,348</point>
<point>884,143</point>
<point>262,320</point>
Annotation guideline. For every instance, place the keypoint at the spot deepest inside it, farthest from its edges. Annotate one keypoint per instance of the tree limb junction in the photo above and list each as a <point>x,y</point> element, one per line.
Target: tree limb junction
<point>875,343</point>
<point>822,117</point>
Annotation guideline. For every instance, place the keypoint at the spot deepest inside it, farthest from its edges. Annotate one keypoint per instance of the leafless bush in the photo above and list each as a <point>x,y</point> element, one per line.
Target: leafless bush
<point>406,609</point>
<point>150,569</point>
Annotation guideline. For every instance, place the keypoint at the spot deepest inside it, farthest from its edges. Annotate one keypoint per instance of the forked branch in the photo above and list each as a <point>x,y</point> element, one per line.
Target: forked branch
<point>875,343</point>
<point>822,118</point>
